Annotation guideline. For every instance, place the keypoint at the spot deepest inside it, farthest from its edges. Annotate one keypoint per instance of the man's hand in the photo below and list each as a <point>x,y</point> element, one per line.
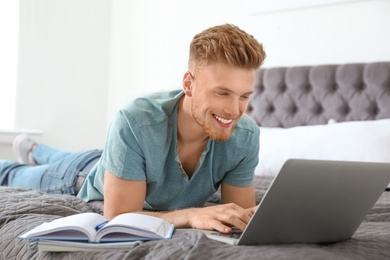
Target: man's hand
<point>221,217</point>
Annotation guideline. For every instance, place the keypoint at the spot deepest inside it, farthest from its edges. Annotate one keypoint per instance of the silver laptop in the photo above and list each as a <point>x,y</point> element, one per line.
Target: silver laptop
<point>313,201</point>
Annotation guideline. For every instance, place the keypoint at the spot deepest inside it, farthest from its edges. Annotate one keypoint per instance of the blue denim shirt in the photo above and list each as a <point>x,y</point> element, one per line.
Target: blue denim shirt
<point>142,145</point>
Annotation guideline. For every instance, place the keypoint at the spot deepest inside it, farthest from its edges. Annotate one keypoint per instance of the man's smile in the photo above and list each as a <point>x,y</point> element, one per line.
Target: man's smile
<point>223,120</point>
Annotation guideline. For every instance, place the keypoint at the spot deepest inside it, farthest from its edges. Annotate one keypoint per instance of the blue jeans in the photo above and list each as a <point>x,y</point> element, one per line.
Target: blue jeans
<point>56,171</point>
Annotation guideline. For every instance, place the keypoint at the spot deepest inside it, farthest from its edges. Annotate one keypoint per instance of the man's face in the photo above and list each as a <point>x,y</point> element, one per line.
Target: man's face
<point>220,96</point>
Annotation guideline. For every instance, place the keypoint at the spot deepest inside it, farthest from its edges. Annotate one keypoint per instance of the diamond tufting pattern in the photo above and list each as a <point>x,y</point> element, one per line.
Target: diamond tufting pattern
<point>308,95</point>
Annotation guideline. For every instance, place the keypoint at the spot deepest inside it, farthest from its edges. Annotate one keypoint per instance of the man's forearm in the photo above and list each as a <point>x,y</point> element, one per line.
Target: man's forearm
<point>181,217</point>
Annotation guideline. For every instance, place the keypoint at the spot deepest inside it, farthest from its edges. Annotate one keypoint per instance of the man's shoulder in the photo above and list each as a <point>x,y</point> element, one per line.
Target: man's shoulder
<point>153,108</point>
<point>246,123</point>
<point>245,134</point>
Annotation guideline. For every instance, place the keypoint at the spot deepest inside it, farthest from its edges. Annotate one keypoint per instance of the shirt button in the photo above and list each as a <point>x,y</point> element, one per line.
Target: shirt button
<point>180,169</point>
<point>183,175</point>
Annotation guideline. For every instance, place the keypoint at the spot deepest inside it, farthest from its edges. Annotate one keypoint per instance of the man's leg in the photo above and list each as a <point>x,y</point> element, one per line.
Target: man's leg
<point>28,151</point>
<point>57,171</point>
<point>44,154</point>
<point>14,174</point>
<point>59,177</point>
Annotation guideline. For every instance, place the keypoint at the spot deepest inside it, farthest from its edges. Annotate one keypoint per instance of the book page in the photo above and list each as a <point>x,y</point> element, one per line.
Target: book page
<point>64,227</point>
<point>138,225</point>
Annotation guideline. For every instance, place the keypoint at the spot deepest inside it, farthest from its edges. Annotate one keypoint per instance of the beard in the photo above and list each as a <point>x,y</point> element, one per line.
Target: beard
<point>220,135</point>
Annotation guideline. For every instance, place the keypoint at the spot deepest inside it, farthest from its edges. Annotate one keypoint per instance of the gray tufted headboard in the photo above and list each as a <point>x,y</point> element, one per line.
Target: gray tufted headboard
<point>308,95</point>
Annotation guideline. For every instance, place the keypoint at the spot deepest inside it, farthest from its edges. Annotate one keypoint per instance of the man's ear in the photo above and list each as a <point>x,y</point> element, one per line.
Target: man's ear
<point>187,84</point>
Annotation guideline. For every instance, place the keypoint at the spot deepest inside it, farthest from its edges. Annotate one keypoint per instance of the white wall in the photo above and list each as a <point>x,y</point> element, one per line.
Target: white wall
<point>80,60</point>
<point>149,40</point>
<point>63,71</point>
<point>340,33</point>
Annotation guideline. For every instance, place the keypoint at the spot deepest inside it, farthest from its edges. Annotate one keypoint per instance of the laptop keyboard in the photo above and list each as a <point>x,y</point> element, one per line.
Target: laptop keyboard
<point>234,234</point>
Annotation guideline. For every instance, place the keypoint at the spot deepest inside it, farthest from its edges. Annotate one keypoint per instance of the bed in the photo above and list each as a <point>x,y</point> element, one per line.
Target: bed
<point>320,112</point>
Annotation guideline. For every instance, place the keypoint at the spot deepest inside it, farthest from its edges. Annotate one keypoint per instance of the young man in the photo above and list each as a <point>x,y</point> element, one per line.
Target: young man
<point>168,152</point>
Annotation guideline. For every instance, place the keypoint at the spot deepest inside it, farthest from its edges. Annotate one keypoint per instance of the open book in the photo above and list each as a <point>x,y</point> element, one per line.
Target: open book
<point>94,228</point>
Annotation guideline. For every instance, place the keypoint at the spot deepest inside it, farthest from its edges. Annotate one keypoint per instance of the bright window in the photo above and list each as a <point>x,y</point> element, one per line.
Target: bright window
<point>9,38</point>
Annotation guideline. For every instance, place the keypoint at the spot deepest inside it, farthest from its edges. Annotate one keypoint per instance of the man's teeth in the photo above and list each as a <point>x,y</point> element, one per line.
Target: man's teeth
<point>223,121</point>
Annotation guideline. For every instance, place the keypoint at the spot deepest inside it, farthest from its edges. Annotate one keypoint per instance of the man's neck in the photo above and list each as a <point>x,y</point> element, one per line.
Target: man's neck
<point>191,138</point>
<point>188,130</point>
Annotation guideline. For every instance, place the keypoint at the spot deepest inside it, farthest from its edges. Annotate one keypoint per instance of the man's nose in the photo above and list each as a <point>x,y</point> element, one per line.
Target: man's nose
<point>233,107</point>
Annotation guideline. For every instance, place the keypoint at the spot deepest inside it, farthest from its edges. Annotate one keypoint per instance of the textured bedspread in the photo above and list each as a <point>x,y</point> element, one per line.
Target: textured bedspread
<point>21,210</point>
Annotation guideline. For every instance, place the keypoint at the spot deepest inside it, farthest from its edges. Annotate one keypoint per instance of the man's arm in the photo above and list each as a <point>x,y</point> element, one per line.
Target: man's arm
<point>242,196</point>
<point>121,196</point>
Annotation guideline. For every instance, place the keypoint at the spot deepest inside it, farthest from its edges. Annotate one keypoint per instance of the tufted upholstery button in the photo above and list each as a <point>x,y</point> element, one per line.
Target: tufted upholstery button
<point>375,110</point>
<point>261,88</point>
<point>270,109</point>
<point>294,109</point>
<point>346,110</point>
<point>318,109</point>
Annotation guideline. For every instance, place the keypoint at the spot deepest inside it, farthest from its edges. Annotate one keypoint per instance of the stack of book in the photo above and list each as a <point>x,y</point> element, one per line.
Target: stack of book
<point>92,232</point>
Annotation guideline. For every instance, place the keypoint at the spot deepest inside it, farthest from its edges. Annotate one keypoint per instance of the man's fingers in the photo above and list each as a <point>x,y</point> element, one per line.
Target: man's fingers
<point>235,216</point>
<point>221,227</point>
<point>251,211</point>
<point>222,217</point>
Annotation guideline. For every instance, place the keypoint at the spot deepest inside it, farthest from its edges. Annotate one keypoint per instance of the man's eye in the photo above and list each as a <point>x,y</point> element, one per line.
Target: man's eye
<point>222,94</point>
